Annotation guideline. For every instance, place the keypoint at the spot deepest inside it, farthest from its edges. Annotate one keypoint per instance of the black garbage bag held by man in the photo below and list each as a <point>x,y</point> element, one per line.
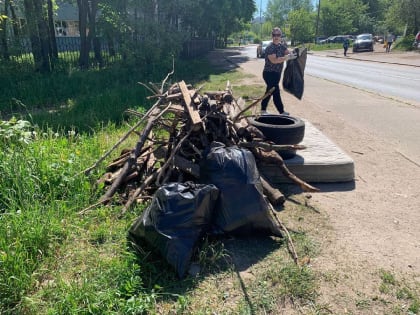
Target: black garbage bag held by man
<point>293,77</point>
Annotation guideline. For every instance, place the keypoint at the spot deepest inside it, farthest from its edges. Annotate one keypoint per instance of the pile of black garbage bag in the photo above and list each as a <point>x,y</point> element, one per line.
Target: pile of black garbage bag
<point>227,200</point>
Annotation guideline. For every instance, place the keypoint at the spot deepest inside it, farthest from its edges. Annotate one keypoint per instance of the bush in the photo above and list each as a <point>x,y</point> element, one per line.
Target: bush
<point>405,43</point>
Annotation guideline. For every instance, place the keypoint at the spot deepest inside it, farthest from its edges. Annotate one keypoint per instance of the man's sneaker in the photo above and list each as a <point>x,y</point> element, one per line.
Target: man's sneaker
<point>285,113</point>
<point>264,113</point>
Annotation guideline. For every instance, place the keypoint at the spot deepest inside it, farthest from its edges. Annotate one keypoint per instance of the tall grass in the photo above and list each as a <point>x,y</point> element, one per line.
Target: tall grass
<point>72,99</point>
<point>50,258</point>
<point>54,260</point>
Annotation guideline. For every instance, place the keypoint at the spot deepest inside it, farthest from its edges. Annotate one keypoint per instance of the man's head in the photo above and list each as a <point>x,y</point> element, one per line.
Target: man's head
<point>276,34</point>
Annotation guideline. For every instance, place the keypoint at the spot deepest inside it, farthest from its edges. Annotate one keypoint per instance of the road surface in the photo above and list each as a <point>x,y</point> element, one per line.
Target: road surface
<point>380,98</point>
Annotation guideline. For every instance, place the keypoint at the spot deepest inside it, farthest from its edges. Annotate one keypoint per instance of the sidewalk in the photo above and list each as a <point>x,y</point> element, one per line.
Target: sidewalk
<point>409,58</point>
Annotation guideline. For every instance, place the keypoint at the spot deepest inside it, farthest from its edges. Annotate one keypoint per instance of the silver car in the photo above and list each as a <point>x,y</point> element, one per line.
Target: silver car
<point>261,48</point>
<point>363,42</point>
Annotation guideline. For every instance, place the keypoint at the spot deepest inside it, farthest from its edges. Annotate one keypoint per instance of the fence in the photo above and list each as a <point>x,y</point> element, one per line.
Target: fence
<point>197,47</point>
<point>69,48</point>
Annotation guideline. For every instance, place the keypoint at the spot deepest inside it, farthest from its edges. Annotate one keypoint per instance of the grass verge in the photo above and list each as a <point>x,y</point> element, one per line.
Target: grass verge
<point>55,261</point>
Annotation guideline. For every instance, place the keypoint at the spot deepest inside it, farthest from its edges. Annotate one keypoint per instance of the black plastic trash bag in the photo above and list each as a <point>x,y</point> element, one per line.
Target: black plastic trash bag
<point>179,215</point>
<point>241,208</point>
<point>293,76</point>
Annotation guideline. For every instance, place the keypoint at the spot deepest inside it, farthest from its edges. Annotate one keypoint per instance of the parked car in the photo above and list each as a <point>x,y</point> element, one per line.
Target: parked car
<point>261,48</point>
<point>378,39</point>
<point>337,39</point>
<point>363,42</point>
<point>326,40</point>
<point>320,39</point>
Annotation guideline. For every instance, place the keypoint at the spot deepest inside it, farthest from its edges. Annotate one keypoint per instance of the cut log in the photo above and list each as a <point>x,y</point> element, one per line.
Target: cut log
<point>274,195</point>
<point>191,108</point>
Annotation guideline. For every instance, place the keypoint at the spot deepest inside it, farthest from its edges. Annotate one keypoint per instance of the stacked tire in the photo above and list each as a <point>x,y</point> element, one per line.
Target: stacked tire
<point>281,129</point>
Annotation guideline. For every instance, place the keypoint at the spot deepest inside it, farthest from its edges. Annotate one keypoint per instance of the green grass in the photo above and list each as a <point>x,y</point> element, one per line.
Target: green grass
<point>54,260</point>
<point>405,295</point>
<point>320,47</point>
<point>87,100</point>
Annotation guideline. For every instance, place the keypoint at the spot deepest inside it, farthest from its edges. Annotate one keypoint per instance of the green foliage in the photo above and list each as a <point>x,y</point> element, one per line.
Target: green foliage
<point>14,131</point>
<point>403,14</point>
<point>301,26</point>
<point>340,17</point>
<point>86,100</point>
<point>297,282</point>
<point>405,43</point>
<point>52,260</point>
<point>37,180</point>
<point>344,17</point>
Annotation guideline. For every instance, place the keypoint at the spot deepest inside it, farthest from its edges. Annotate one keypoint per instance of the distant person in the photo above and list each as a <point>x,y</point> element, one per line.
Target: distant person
<point>389,42</point>
<point>276,54</point>
<point>417,40</point>
<point>346,45</point>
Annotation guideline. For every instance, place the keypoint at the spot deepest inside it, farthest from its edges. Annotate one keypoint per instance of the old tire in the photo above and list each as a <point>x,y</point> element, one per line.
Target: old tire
<point>281,129</point>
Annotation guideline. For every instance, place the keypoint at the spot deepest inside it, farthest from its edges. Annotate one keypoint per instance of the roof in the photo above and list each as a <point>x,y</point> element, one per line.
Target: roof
<point>67,12</point>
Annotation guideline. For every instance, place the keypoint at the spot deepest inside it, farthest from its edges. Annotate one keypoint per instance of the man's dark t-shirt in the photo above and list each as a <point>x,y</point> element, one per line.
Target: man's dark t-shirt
<point>279,50</point>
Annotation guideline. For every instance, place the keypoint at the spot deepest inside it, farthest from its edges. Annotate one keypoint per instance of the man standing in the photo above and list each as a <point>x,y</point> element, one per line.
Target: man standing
<point>389,41</point>
<point>346,45</point>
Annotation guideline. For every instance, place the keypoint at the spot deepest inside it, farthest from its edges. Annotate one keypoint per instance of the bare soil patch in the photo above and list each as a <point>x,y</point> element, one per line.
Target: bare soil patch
<point>367,228</point>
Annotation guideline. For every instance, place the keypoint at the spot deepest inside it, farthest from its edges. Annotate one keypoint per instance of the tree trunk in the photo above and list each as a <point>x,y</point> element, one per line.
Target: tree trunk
<point>92,32</point>
<point>51,27</point>
<point>14,20</point>
<point>45,65</point>
<point>84,44</point>
<point>3,33</point>
<point>32,28</point>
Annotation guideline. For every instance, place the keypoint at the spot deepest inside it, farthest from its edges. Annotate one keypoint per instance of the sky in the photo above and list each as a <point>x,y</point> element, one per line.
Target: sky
<point>263,4</point>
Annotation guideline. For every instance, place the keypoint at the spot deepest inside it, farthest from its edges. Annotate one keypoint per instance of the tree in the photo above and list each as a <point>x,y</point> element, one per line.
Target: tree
<point>403,14</point>
<point>51,29</point>
<point>38,34</point>
<point>344,17</point>
<point>278,10</point>
<point>3,31</point>
<point>301,24</point>
<point>84,44</point>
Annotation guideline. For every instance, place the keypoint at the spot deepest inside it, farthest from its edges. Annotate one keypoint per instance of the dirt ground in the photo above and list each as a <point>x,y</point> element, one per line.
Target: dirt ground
<point>375,220</point>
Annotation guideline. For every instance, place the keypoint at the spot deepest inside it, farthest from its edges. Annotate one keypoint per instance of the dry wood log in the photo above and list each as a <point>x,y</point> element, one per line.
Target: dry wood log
<point>274,158</point>
<point>238,115</point>
<point>274,195</point>
<point>290,245</point>
<point>196,124</point>
<point>133,156</point>
<point>148,181</point>
<point>192,110</point>
<point>187,166</point>
<point>270,146</point>
<point>121,140</point>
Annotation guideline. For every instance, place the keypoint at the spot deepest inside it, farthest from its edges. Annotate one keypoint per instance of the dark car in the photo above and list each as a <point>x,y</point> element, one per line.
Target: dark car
<point>261,48</point>
<point>337,39</point>
<point>326,40</point>
<point>320,39</point>
<point>363,42</point>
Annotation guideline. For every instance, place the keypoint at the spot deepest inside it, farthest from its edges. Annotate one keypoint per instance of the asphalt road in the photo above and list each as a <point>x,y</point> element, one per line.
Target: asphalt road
<point>389,109</point>
<point>386,79</point>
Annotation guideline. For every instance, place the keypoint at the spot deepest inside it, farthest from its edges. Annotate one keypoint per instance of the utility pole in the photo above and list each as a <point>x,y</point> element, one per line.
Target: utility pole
<point>260,20</point>
<point>317,20</point>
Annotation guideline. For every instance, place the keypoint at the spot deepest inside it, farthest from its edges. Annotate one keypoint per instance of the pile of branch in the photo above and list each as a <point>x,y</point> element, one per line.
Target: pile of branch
<point>173,136</point>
